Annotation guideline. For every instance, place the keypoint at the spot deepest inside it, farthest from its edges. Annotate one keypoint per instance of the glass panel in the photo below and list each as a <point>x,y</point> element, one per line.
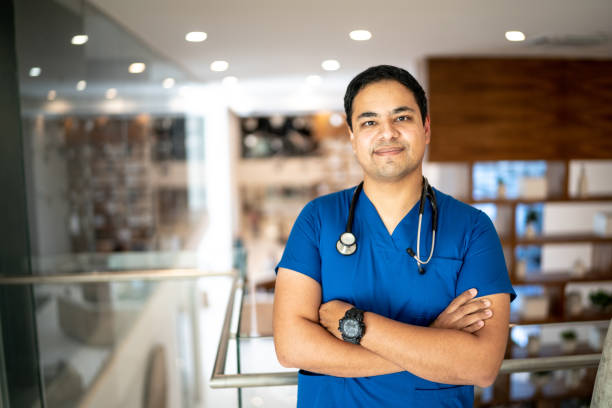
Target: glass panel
<point>126,344</point>
<point>114,165</point>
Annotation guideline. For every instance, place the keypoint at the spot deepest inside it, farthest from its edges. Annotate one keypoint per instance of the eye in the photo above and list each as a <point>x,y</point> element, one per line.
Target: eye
<point>368,123</point>
<point>404,118</point>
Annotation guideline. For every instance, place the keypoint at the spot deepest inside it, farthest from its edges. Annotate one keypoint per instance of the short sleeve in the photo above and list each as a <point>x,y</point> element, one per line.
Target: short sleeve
<point>484,266</point>
<point>301,253</point>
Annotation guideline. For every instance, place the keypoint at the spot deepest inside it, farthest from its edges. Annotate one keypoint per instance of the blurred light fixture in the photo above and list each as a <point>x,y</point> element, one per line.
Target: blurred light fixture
<point>168,83</point>
<point>196,36</point>
<point>137,67</point>
<point>219,66</point>
<point>313,80</point>
<point>35,71</point>
<point>330,65</point>
<point>360,35</point>
<point>515,36</point>
<point>111,93</point>
<point>335,119</point>
<point>229,80</point>
<point>79,39</point>
<point>81,85</point>
<point>51,95</point>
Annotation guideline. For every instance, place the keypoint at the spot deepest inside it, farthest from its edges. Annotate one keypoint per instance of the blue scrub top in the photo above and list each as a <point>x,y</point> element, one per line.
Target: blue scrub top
<point>381,277</point>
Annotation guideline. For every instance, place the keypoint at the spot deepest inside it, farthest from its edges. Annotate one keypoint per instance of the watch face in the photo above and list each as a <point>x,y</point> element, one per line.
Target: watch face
<point>351,328</point>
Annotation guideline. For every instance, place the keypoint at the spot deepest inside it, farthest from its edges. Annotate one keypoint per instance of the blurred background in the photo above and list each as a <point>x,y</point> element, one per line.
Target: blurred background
<point>154,153</point>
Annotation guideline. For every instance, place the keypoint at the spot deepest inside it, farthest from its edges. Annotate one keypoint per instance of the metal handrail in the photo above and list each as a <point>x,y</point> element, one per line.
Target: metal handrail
<point>111,276</point>
<point>219,379</point>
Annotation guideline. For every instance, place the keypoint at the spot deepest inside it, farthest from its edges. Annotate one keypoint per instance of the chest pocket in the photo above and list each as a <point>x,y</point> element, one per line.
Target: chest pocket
<point>431,292</point>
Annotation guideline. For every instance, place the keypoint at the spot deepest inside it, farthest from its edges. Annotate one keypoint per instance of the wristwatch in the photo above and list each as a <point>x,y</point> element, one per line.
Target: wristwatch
<point>352,326</point>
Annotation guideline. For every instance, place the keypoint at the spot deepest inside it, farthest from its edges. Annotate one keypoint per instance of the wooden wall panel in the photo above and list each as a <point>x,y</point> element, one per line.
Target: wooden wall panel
<point>520,109</point>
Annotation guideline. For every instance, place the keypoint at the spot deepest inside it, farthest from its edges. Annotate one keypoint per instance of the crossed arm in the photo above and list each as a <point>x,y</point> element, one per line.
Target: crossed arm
<point>451,351</point>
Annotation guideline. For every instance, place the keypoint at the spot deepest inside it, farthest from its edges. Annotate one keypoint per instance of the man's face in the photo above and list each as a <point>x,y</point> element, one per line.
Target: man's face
<point>389,136</point>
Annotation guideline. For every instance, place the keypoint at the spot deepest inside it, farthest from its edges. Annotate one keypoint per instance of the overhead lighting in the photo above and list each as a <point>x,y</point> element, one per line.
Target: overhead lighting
<point>35,71</point>
<point>79,39</point>
<point>168,83</point>
<point>330,65</point>
<point>515,36</point>
<point>111,93</point>
<point>137,67</point>
<point>51,95</point>
<point>219,66</point>
<point>335,119</point>
<point>229,80</point>
<point>360,35</point>
<point>81,85</point>
<point>313,80</point>
<point>196,36</point>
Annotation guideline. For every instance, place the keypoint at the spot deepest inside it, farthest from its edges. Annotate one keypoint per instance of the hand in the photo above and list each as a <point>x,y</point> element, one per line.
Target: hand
<point>464,313</point>
<point>330,314</point>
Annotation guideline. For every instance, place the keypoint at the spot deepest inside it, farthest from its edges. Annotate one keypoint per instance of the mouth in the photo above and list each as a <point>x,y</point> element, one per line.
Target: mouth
<point>388,150</point>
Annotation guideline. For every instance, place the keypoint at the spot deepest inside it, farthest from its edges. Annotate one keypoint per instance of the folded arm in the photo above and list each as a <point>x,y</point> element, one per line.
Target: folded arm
<point>304,343</point>
<point>301,342</point>
<point>440,355</point>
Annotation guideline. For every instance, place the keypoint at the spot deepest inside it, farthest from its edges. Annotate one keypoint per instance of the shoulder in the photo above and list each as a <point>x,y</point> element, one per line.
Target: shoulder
<point>332,202</point>
<point>327,206</point>
<point>456,208</point>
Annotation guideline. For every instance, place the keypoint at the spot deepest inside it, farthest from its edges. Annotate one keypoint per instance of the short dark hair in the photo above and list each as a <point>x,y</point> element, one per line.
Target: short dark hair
<point>383,73</point>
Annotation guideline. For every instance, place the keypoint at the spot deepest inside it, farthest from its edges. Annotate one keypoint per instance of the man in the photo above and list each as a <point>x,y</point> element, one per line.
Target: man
<point>383,323</point>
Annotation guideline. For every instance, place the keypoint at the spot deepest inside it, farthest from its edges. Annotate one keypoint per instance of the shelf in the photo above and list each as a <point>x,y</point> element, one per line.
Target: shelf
<point>516,201</point>
<point>561,239</point>
<point>587,316</point>
<point>561,278</point>
<point>555,389</point>
<point>552,350</point>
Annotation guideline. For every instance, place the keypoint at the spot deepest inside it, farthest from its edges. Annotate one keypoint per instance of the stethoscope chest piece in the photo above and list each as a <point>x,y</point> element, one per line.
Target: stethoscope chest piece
<point>347,244</point>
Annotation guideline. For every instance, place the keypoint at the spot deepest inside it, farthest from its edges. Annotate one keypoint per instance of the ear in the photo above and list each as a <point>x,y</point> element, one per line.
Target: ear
<point>427,128</point>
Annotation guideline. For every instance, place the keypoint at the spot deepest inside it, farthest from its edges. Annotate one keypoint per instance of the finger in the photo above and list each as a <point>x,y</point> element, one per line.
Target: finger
<point>461,300</point>
<point>473,318</point>
<point>474,327</point>
<point>473,306</point>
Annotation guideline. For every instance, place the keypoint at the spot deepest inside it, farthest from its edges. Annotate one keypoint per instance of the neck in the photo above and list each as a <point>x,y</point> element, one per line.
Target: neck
<point>393,199</point>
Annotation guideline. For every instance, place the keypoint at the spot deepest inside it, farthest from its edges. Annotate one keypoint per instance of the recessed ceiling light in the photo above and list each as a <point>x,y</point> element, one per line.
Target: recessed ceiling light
<point>51,95</point>
<point>79,39</point>
<point>229,80</point>
<point>335,119</point>
<point>515,36</point>
<point>313,80</point>
<point>219,66</point>
<point>81,85</point>
<point>111,93</point>
<point>168,83</point>
<point>137,67</point>
<point>196,36</point>
<point>330,65</point>
<point>35,71</point>
<point>360,35</point>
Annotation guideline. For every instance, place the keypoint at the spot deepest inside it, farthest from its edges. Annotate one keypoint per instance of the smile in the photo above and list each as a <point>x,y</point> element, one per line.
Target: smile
<point>388,151</point>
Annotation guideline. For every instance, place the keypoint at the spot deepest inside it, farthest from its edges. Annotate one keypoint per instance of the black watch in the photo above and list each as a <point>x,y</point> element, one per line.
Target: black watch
<point>352,326</point>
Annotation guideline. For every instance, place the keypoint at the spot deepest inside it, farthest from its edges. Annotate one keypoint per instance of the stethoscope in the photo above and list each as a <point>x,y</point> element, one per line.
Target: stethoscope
<point>347,244</point>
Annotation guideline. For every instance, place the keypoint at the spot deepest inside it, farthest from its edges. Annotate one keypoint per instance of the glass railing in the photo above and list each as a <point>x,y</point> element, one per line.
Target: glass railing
<point>247,362</point>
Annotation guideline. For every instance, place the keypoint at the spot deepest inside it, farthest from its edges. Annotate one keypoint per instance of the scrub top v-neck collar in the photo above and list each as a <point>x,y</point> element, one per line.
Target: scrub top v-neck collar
<point>405,231</point>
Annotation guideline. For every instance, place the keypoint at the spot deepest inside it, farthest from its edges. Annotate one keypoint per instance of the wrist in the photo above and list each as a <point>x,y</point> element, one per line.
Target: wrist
<point>352,326</point>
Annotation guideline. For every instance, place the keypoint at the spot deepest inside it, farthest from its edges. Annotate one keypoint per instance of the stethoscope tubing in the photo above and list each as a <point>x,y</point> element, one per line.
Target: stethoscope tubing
<point>347,243</point>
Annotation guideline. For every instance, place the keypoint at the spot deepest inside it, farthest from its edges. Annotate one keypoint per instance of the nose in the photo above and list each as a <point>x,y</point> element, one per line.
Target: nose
<point>388,130</point>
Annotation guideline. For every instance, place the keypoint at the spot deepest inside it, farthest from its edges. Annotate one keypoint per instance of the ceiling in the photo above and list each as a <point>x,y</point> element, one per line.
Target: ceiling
<point>272,45</point>
<point>272,38</point>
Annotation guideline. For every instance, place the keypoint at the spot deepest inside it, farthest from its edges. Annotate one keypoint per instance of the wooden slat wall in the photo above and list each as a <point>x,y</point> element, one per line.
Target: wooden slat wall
<point>520,109</point>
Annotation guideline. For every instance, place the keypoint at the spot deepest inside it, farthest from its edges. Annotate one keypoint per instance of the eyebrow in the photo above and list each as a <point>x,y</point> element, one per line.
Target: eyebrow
<point>394,111</point>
